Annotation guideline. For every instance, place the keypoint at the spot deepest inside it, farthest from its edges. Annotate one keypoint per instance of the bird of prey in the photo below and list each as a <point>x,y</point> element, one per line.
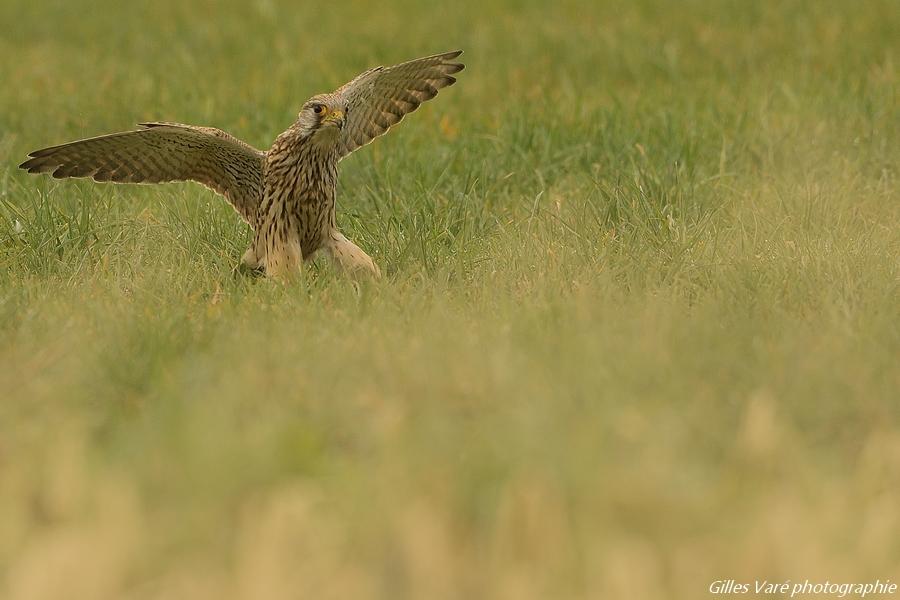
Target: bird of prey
<point>286,194</point>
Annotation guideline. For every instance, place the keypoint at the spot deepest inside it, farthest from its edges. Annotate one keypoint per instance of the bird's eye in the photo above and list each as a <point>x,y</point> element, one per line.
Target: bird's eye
<point>319,109</point>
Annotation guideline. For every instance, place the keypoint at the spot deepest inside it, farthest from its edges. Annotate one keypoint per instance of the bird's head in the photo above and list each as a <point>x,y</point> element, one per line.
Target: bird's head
<point>322,116</point>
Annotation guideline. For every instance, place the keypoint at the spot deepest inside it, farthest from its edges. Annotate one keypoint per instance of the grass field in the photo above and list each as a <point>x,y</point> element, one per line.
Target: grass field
<point>639,329</point>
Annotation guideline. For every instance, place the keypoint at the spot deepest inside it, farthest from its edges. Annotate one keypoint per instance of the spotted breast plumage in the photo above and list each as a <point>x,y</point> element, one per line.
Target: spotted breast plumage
<point>287,193</point>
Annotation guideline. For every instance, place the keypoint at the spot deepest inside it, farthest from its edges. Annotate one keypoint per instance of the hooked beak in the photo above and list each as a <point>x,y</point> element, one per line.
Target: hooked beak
<point>335,117</point>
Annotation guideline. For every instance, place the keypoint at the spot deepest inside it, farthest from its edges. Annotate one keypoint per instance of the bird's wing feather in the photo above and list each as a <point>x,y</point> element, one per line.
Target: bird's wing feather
<point>162,152</point>
<point>381,97</point>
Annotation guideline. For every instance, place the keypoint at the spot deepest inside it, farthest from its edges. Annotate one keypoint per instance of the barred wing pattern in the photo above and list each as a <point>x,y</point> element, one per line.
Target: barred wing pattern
<point>159,153</point>
<point>381,97</point>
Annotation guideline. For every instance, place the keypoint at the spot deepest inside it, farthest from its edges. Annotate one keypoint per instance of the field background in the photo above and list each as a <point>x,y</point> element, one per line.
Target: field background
<point>639,330</point>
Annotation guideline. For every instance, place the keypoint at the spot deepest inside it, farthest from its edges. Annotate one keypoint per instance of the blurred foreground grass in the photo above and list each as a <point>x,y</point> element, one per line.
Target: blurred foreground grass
<point>639,329</point>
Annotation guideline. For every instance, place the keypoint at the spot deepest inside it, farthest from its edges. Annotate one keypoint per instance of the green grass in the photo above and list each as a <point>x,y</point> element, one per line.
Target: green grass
<point>639,330</point>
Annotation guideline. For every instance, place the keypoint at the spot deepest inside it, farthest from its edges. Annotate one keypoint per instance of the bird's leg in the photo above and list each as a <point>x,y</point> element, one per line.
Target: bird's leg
<point>348,256</point>
<point>283,262</point>
<point>250,264</point>
<point>278,250</point>
<point>252,260</point>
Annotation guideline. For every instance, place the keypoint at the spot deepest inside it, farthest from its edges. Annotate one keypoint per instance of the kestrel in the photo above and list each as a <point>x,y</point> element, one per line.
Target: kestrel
<point>286,194</point>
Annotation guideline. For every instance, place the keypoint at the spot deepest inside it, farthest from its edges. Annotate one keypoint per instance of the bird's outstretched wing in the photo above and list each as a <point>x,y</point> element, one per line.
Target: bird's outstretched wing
<point>163,152</point>
<point>381,97</point>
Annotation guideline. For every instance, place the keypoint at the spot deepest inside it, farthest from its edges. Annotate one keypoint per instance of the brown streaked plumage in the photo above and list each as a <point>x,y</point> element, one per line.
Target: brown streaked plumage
<point>286,194</point>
